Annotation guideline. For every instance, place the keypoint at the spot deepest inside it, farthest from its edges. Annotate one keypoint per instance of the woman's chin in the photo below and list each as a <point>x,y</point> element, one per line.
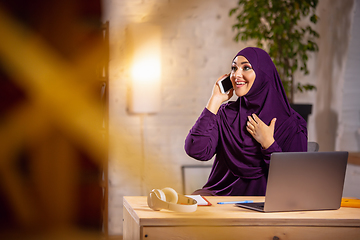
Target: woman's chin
<point>240,93</point>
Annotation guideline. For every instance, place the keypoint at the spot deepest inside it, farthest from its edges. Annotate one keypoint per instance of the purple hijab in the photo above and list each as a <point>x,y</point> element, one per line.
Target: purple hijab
<point>241,165</point>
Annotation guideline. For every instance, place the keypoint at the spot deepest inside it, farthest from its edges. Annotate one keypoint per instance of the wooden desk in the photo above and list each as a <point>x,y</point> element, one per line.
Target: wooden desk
<point>231,222</point>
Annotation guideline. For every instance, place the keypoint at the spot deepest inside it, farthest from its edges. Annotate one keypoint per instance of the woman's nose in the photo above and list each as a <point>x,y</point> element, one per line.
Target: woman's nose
<point>238,72</point>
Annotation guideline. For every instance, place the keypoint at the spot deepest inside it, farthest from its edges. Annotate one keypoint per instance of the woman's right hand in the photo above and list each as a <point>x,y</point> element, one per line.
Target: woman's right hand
<point>217,97</point>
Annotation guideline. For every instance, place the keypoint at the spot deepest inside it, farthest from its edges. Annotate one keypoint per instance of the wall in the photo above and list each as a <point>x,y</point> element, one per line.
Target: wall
<point>334,29</point>
<point>349,120</point>
<point>146,151</point>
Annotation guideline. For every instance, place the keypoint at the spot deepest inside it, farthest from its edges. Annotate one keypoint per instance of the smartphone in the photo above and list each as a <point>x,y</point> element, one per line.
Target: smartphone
<point>225,84</point>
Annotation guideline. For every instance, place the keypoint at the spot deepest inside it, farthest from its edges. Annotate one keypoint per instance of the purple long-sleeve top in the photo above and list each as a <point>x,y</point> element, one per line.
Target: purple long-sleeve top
<point>241,165</point>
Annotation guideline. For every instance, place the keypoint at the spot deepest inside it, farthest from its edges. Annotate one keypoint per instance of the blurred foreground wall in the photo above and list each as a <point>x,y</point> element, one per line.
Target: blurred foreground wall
<point>52,119</point>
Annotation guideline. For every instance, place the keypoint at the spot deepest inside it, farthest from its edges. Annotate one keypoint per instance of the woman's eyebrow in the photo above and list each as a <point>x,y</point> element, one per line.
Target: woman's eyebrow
<point>240,63</point>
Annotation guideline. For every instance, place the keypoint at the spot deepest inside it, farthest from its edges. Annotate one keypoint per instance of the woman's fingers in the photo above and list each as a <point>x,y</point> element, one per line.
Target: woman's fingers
<point>250,131</point>
<point>250,125</point>
<point>260,131</point>
<point>257,119</point>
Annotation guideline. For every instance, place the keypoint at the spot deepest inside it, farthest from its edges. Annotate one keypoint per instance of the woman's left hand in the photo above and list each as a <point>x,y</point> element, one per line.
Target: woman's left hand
<point>261,132</point>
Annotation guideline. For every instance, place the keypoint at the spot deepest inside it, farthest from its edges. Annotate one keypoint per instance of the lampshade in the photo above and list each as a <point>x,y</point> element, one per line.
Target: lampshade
<point>145,53</point>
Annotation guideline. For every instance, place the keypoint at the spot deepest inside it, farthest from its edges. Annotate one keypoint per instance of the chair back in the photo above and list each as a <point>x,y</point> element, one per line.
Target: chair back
<point>313,147</point>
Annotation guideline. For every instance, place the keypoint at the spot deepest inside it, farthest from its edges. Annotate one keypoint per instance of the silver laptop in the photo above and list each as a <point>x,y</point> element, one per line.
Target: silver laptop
<point>301,181</point>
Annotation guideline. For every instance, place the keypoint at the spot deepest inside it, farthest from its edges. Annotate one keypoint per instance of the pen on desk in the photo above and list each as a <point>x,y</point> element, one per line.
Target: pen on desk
<point>247,201</point>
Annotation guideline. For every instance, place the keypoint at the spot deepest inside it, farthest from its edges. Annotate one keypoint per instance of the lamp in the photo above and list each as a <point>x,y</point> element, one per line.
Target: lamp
<point>144,43</point>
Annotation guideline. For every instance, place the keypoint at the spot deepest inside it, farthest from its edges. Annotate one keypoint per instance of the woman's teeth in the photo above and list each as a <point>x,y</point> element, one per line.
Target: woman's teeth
<point>240,83</point>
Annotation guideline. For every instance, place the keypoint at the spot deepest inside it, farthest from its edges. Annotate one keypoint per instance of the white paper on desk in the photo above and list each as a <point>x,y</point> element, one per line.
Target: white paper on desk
<point>200,200</point>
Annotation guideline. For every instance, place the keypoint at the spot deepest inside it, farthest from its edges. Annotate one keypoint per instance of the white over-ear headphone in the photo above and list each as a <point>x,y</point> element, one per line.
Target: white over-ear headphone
<point>168,198</point>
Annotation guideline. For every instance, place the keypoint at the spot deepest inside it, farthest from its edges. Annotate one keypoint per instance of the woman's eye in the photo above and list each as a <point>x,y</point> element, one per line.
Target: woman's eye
<point>247,68</point>
<point>233,68</point>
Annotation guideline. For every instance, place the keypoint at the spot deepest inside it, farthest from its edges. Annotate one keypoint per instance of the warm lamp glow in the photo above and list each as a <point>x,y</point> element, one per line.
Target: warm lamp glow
<point>145,68</point>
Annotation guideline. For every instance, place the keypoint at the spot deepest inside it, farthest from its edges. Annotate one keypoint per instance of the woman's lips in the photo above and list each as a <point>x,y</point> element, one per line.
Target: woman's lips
<point>240,83</point>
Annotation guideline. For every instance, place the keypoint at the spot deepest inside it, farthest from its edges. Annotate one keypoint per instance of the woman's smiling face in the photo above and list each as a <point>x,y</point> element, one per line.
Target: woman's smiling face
<point>242,76</point>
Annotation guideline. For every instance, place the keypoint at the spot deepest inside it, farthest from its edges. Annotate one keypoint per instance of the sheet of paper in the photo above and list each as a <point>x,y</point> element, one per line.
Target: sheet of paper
<point>200,200</point>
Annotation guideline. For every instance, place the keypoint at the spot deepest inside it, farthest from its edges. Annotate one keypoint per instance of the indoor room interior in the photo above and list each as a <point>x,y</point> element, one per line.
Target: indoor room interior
<point>80,129</point>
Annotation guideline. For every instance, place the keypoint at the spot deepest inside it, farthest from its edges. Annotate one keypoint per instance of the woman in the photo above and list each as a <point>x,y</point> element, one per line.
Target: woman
<point>244,133</point>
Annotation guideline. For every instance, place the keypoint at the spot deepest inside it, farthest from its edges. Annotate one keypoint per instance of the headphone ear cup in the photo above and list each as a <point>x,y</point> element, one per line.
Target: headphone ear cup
<point>170,195</point>
<point>151,200</point>
<point>154,197</point>
<point>160,194</point>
